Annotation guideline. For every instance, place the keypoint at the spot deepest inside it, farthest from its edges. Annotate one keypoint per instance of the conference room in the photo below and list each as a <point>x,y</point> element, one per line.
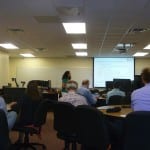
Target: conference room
<point>112,45</point>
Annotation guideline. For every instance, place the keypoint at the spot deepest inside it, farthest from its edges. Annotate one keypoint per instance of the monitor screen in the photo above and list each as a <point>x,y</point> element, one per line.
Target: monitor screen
<point>137,83</point>
<point>125,84</point>
<point>12,93</point>
<point>107,69</point>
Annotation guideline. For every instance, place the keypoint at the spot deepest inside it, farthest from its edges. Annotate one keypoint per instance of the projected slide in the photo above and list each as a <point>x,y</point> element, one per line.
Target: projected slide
<point>106,69</point>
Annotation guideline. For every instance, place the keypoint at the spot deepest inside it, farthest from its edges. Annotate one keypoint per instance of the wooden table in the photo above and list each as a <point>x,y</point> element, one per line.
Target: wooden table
<point>121,114</point>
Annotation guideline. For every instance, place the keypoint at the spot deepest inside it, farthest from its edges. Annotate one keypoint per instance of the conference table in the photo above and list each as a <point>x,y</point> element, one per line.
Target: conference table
<point>125,109</point>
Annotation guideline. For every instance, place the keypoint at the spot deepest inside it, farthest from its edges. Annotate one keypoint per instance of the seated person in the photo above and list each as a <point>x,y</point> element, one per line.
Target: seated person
<point>114,91</point>
<point>71,96</point>
<point>27,106</point>
<point>84,90</point>
<point>11,115</point>
<point>140,98</point>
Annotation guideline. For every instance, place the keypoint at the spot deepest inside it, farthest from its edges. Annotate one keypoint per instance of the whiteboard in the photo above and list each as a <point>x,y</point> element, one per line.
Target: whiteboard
<point>54,74</point>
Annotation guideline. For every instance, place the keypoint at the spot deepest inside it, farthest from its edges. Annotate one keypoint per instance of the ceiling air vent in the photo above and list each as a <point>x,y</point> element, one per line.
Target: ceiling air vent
<point>69,11</point>
<point>138,30</point>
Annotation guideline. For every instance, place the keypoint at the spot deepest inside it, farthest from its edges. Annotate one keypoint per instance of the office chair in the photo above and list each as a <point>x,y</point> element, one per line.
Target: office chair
<point>137,131</point>
<point>64,123</point>
<point>91,129</point>
<point>4,132</point>
<point>115,100</point>
<point>39,120</point>
<point>53,96</point>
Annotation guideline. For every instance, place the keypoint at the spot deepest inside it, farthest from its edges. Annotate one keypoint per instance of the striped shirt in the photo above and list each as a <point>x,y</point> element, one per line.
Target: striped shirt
<point>73,98</point>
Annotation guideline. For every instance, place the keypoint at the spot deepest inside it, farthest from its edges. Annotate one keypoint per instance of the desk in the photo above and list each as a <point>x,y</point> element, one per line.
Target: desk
<point>121,114</point>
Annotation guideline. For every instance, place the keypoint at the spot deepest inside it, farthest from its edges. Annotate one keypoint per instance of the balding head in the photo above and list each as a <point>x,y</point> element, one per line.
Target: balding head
<point>72,85</point>
<point>85,83</point>
<point>146,75</point>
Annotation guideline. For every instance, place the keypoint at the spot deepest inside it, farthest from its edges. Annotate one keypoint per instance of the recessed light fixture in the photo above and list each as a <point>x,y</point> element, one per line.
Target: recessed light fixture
<point>81,53</point>
<point>140,54</point>
<point>9,46</point>
<point>147,47</point>
<point>79,45</point>
<point>74,28</point>
<point>27,55</point>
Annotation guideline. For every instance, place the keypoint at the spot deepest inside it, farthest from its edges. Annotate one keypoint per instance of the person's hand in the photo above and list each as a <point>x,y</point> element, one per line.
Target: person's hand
<point>11,104</point>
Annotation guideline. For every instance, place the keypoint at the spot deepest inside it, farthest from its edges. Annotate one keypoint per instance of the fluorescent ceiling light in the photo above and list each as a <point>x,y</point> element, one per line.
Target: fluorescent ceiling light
<point>81,53</point>
<point>27,55</point>
<point>8,46</point>
<point>140,54</point>
<point>79,45</point>
<point>147,47</point>
<point>74,28</point>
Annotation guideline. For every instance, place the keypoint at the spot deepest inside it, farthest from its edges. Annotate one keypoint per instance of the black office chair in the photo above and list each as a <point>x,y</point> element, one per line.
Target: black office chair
<point>39,120</point>
<point>137,131</point>
<point>4,132</point>
<point>91,128</point>
<point>64,123</point>
<point>115,100</point>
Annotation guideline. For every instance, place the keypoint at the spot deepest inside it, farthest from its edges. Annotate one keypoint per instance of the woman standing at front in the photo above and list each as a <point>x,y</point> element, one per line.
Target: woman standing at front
<point>65,78</point>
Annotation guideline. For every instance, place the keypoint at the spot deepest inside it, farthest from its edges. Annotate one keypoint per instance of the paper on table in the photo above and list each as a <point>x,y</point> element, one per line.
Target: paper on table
<point>122,115</point>
<point>105,107</point>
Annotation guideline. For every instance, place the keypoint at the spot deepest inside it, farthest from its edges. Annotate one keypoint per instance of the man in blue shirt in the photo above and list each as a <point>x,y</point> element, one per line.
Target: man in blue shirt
<point>115,91</point>
<point>84,90</point>
<point>140,98</point>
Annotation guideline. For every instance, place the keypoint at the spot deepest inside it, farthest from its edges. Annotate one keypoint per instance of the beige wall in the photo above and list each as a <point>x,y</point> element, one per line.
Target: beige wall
<point>50,69</point>
<point>22,67</point>
<point>141,63</point>
<point>4,69</point>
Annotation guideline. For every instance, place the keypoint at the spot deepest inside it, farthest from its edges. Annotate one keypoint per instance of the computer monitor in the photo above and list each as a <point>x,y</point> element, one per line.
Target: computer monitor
<point>109,85</point>
<point>125,84</point>
<point>137,83</point>
<point>12,93</point>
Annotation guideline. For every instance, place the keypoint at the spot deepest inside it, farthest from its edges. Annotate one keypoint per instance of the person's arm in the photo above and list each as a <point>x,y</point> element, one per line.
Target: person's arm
<point>91,98</point>
<point>3,105</point>
<point>10,105</point>
<point>107,98</point>
<point>132,101</point>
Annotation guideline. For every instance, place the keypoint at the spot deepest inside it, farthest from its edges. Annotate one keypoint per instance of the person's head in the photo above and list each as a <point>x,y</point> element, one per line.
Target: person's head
<point>66,75</point>
<point>146,75</point>
<point>72,85</point>
<point>32,90</point>
<point>116,84</point>
<point>86,83</point>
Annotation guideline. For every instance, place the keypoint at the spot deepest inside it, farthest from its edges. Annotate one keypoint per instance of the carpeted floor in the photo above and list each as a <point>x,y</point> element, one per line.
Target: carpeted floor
<point>48,136</point>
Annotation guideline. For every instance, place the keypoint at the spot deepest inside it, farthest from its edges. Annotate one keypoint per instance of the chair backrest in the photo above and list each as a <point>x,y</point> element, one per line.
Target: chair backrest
<point>41,113</point>
<point>91,128</point>
<point>137,131</point>
<point>4,132</point>
<point>115,100</point>
<point>53,96</point>
<point>64,117</point>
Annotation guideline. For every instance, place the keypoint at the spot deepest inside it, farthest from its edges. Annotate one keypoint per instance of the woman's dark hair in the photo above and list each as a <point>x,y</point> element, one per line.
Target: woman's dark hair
<point>146,75</point>
<point>33,91</point>
<point>66,75</point>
